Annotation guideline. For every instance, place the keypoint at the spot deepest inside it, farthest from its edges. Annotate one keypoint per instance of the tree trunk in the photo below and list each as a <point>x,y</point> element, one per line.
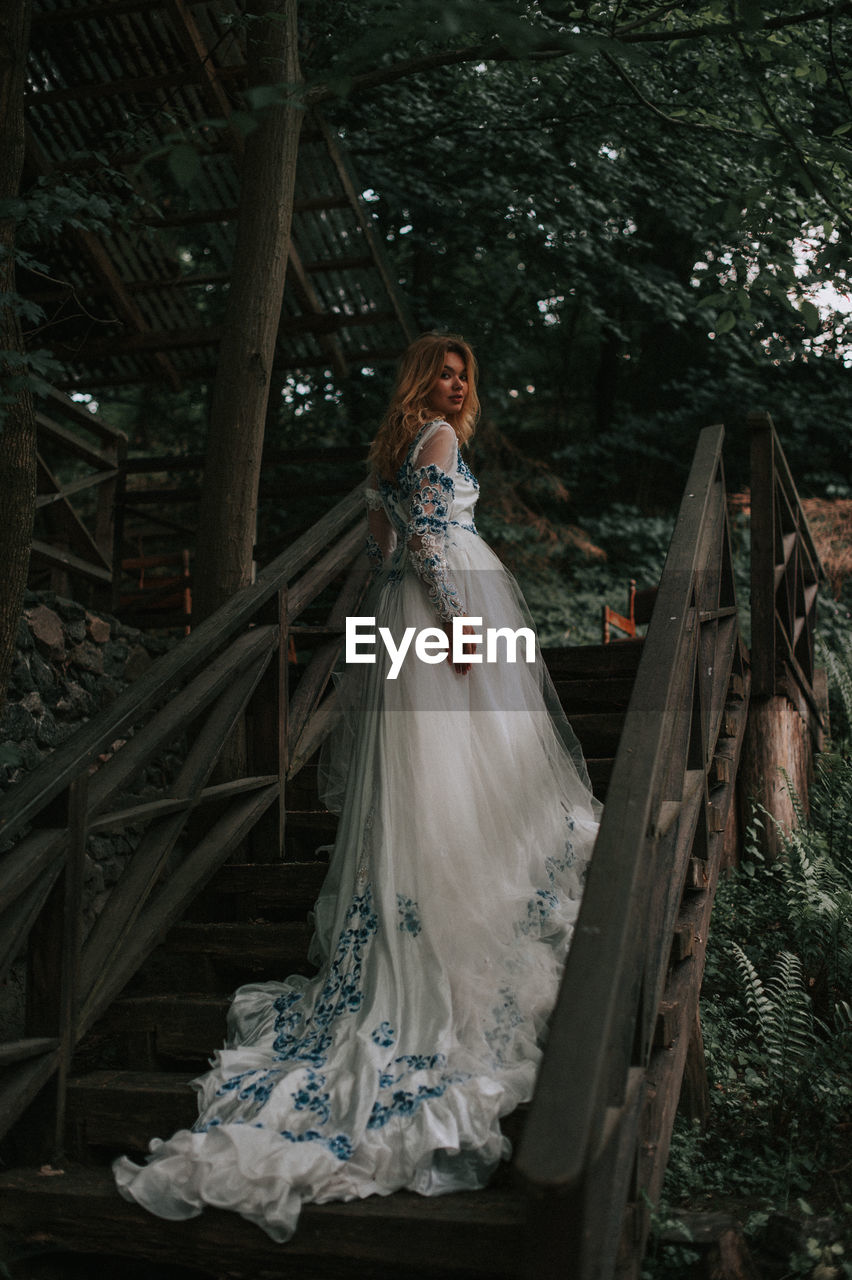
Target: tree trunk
<point>228,512</point>
<point>17,429</point>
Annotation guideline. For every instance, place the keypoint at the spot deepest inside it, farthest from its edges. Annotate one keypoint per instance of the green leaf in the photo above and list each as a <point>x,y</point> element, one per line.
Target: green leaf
<point>185,163</point>
<point>726,322</point>
<point>811,316</point>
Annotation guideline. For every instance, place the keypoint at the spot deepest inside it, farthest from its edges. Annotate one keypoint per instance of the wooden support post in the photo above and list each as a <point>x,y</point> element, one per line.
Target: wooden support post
<point>267,737</point>
<point>694,1100</point>
<point>54,966</point>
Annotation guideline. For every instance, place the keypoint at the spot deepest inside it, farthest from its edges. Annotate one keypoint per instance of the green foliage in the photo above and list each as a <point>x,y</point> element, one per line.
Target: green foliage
<point>778,1031</point>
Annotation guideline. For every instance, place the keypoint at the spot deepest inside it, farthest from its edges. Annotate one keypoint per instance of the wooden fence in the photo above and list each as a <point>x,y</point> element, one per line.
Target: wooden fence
<point>234,664</point>
<point>76,537</point>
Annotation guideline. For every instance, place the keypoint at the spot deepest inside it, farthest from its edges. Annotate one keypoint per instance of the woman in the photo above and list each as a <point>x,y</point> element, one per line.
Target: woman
<point>466,825</point>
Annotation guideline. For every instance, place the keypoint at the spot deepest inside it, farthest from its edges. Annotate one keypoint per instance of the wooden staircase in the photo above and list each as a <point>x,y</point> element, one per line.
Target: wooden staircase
<point>118,1023</point>
<point>131,1073</point>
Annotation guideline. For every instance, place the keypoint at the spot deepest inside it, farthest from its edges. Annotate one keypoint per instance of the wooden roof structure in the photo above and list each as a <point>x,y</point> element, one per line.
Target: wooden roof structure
<point>112,85</point>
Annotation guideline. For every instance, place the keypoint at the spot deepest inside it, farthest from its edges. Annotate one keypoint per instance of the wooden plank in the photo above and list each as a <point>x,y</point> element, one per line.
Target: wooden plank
<point>316,675</point>
<point>314,734</point>
<point>130,895</point>
<point>101,459</point>
<point>22,1050</point>
<point>78,536</point>
<point>163,808</point>
<point>269,942</point>
<point>44,552</point>
<point>763,556</point>
<point>17,921</point>
<point>124,1110</point>
<point>564,1123</point>
<point>77,486</point>
<point>30,796</point>
<point>180,1027</point>
<point>91,421</point>
<point>175,895</point>
<point>21,866</point>
<point>594,661</point>
<point>19,1084</point>
<point>470,1233</point>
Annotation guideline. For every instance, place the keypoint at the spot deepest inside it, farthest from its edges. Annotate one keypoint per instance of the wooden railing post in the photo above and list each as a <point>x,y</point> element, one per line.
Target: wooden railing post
<point>53,966</point>
<point>763,557</point>
<point>267,739</point>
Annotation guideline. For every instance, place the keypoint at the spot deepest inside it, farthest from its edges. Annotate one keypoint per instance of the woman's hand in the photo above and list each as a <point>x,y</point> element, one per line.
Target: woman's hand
<point>462,668</point>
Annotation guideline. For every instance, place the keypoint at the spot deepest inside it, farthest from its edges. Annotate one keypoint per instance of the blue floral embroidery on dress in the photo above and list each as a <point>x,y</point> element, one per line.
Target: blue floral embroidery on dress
<point>507,1016</point>
<point>341,992</point>
<point>374,555</point>
<point>383,1035</point>
<point>539,909</point>
<point>404,1102</point>
<point>465,471</point>
<point>340,1145</point>
<point>312,1096</point>
<point>410,913</point>
<point>257,1091</point>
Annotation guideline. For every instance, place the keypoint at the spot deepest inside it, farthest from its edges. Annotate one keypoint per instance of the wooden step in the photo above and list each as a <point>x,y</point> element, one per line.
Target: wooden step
<point>156,1031</point>
<point>599,733</point>
<point>399,1237</point>
<point>216,957</point>
<point>124,1110</point>
<point>260,891</point>
<point>593,661</point>
<point>600,772</point>
<point>591,696</point>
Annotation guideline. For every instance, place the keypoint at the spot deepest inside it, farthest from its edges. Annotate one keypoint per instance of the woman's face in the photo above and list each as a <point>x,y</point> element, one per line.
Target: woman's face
<point>448,391</point>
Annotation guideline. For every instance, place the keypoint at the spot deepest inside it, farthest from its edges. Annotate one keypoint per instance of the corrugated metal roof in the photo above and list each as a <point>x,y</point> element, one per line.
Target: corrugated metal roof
<point>110,84</point>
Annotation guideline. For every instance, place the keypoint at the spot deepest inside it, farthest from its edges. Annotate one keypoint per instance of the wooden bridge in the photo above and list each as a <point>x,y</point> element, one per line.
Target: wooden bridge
<point>118,1022</point>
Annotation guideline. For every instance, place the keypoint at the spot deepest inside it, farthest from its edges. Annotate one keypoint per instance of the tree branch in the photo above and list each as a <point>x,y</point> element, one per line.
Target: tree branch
<point>788,135</point>
<point>491,51</point>
<point>658,111</point>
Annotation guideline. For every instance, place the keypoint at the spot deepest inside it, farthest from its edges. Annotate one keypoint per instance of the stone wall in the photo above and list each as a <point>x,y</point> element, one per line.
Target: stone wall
<point>69,664</point>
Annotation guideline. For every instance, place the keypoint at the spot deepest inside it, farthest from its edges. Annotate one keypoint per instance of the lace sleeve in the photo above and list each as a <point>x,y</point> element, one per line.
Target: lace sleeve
<point>432,495</point>
<point>381,538</point>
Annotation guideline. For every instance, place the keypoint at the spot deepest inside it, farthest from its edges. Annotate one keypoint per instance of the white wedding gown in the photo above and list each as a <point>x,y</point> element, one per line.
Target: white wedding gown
<point>466,826</point>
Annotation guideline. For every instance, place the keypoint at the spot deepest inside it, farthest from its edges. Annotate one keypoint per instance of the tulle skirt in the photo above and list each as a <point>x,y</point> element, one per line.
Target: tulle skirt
<point>466,826</point>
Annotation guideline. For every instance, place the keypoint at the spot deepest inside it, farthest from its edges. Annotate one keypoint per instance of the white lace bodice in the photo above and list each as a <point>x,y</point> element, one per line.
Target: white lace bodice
<point>415,520</point>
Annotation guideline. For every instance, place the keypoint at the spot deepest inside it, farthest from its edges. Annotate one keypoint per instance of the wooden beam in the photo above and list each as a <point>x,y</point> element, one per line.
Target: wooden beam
<point>100,262</point>
<point>307,295</point>
<point>74,564</point>
<point>368,229</point>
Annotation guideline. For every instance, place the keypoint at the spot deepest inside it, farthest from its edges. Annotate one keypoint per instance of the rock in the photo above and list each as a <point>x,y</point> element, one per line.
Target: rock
<point>115,656</point>
<point>70,610</point>
<point>30,754</point>
<point>20,678</point>
<point>93,876</point>
<point>33,703</point>
<point>47,631</point>
<point>87,656</point>
<point>138,662</point>
<point>76,631</point>
<point>47,734</point>
<point>112,869</point>
<point>75,701</point>
<point>16,723</point>
<point>42,674</point>
<point>98,628</point>
<point>23,639</point>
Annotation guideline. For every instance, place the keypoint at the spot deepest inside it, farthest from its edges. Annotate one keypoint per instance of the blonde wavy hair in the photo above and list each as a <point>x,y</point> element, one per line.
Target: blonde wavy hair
<point>409,409</point>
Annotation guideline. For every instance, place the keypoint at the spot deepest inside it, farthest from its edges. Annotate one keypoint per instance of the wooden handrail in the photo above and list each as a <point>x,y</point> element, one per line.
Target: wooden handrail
<point>785,572</point>
<point>24,802</point>
<point>585,1109</point>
